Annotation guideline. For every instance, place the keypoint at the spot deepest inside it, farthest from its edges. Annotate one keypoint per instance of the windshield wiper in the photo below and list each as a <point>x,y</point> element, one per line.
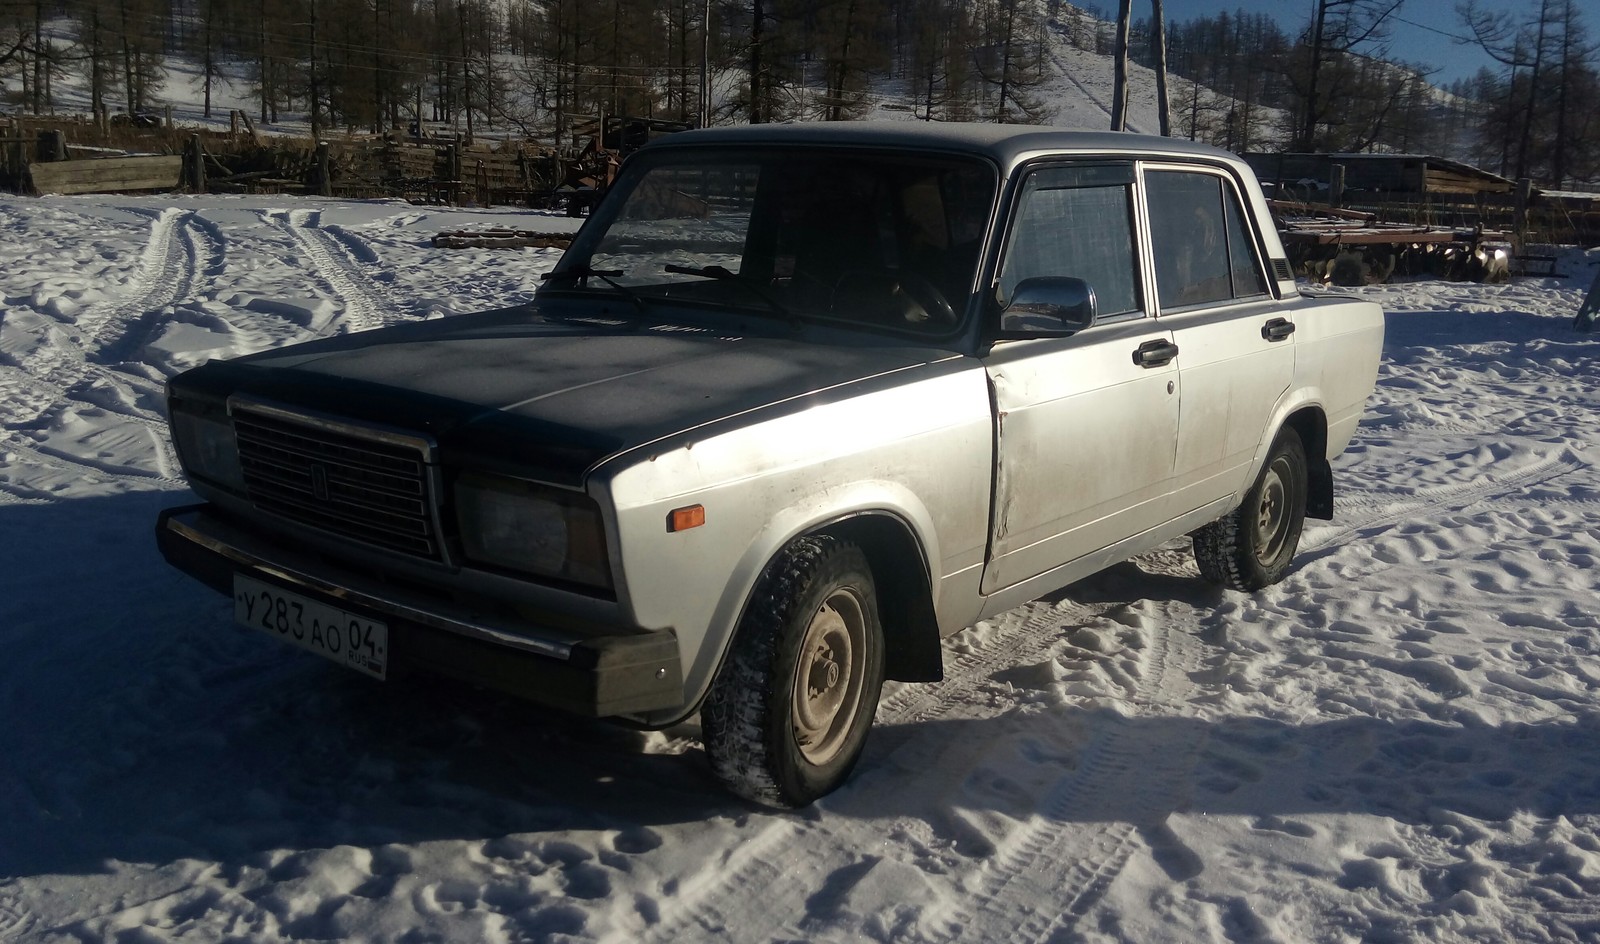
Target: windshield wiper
<point>605,275</point>
<point>722,274</point>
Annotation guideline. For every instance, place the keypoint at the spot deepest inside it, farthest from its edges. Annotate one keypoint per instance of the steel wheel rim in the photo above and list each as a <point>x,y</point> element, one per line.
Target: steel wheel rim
<point>1271,523</point>
<point>826,693</point>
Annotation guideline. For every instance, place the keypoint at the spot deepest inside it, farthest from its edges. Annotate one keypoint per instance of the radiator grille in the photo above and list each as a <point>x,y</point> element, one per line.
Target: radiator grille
<point>370,490</point>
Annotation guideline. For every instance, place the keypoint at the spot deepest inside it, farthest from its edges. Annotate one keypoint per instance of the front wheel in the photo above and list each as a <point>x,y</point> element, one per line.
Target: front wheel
<point>1253,546</point>
<point>788,714</point>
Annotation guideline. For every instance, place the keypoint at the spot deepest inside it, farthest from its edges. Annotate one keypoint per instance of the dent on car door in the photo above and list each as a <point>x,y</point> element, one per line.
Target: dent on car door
<point>1087,420</point>
<point>1237,340</point>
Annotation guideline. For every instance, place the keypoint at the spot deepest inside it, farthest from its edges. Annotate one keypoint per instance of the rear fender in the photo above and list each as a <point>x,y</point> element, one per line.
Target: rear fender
<point>1302,411</point>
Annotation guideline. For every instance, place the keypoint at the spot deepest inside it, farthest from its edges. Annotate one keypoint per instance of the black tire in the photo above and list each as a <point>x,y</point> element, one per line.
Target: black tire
<point>786,721</point>
<point>1254,545</point>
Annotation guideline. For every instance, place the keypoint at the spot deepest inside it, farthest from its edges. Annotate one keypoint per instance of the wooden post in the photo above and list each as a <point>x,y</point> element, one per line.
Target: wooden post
<point>1519,221</point>
<point>233,123</point>
<point>526,173</point>
<point>17,153</point>
<point>194,165</point>
<point>1336,186</point>
<point>19,158</point>
<point>52,146</point>
<point>324,170</point>
<point>166,117</point>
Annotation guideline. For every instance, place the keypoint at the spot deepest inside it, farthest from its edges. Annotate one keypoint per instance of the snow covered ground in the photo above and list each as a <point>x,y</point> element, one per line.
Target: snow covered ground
<point>1400,742</point>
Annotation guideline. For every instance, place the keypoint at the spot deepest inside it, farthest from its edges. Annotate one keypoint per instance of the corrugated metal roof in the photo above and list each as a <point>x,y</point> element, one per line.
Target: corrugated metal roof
<point>1429,160</point>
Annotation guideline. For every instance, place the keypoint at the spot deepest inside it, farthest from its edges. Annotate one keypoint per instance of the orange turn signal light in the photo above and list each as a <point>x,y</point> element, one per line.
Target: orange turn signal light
<point>682,519</point>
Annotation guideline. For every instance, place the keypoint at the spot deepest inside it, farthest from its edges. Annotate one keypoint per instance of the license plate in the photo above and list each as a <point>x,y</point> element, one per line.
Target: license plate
<point>354,642</point>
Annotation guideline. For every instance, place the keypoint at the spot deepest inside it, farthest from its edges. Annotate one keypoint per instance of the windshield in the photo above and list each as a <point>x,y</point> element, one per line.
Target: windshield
<point>873,239</point>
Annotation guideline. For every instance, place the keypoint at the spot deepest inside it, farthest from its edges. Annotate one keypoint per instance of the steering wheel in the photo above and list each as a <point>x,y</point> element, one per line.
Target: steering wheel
<point>927,296</point>
<point>915,299</point>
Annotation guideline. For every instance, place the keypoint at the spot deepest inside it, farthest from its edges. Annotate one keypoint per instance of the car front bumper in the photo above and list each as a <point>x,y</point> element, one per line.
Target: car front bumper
<point>612,674</point>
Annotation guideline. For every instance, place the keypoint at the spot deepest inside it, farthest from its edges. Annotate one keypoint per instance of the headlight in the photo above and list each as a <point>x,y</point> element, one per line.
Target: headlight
<point>207,448</point>
<point>537,530</point>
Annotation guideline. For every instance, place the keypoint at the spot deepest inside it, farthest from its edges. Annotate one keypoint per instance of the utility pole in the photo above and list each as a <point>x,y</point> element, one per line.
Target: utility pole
<point>39,66</point>
<point>316,89</point>
<point>705,67</point>
<point>466,67</point>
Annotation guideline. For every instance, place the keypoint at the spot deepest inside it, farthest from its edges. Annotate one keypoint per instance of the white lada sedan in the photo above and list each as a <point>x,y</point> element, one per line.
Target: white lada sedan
<point>799,401</point>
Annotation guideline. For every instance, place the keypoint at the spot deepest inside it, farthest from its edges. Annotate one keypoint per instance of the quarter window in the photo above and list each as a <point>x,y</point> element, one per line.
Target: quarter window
<point>1203,251</point>
<point>1076,222</point>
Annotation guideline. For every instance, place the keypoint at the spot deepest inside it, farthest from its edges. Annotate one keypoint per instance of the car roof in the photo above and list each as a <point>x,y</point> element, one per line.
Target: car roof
<point>1005,144</point>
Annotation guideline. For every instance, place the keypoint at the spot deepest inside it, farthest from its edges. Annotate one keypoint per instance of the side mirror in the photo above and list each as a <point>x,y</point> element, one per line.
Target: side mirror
<point>1048,306</point>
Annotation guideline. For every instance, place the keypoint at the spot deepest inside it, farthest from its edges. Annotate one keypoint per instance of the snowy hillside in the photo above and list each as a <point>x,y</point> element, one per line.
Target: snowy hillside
<point>1400,742</point>
<point>1075,90</point>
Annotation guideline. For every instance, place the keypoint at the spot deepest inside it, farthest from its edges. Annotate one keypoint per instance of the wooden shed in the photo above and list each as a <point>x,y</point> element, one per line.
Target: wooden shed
<point>1395,175</point>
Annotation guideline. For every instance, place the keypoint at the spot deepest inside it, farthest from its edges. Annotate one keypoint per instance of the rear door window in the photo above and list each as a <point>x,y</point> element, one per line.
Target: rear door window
<point>1202,247</point>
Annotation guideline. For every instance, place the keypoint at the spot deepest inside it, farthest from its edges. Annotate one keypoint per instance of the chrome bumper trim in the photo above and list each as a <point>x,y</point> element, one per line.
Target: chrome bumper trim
<point>371,599</point>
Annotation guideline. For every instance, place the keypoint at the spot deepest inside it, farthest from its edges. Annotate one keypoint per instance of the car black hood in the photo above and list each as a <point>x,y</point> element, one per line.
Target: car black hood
<point>552,395</point>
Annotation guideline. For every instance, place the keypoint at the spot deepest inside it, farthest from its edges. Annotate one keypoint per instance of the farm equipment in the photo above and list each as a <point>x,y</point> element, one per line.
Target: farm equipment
<point>1346,247</point>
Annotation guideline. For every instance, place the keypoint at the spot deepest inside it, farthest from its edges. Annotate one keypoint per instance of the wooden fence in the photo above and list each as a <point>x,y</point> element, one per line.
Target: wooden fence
<point>47,154</point>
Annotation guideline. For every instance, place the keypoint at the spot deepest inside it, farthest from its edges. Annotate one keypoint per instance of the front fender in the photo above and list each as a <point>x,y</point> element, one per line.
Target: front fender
<point>921,453</point>
<point>815,512</point>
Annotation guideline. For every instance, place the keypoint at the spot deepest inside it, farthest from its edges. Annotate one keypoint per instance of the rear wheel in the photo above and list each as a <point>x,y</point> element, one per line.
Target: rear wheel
<point>788,714</point>
<point>1254,545</point>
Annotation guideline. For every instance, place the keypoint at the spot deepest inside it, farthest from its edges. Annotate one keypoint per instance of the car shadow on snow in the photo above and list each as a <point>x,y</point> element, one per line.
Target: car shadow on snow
<point>143,726</point>
<point>1435,329</point>
<point>1100,765</point>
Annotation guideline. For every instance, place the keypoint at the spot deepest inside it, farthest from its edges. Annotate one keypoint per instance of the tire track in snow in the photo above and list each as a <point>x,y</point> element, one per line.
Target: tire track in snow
<point>81,371</point>
<point>87,470</point>
<point>751,890</point>
<point>1123,773</point>
<point>1131,774</point>
<point>360,259</point>
<point>9,496</point>
<point>1120,770</point>
<point>167,270</point>
<point>14,921</point>
<point>163,275</point>
<point>1452,496</point>
<point>753,871</point>
<point>332,263</point>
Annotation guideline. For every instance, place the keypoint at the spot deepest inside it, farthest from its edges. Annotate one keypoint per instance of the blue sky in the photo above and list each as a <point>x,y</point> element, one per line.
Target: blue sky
<point>1418,36</point>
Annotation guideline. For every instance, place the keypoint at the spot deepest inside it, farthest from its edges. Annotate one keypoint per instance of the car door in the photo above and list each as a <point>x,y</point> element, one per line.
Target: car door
<point>1086,423</point>
<point>1237,340</point>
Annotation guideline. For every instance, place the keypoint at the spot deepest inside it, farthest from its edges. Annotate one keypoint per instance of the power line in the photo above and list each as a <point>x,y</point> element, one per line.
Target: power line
<point>1465,40</point>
